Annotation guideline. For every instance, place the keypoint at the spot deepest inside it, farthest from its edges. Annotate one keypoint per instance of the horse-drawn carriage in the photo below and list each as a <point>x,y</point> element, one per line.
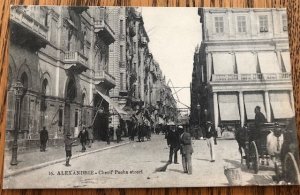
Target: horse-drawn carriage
<point>271,142</point>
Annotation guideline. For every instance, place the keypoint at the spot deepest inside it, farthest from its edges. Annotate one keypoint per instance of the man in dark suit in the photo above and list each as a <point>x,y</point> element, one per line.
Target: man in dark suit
<point>173,143</point>
<point>186,150</point>
<point>84,137</point>
<point>258,121</point>
<point>43,139</point>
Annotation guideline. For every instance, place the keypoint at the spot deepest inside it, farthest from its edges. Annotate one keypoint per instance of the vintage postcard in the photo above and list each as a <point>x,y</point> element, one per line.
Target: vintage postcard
<point>140,97</point>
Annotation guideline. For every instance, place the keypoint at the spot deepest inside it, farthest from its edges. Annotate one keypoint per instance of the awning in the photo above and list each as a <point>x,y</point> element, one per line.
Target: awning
<point>281,105</point>
<point>228,105</point>
<point>286,61</point>
<point>251,101</point>
<point>246,62</point>
<point>112,103</point>
<point>268,62</point>
<point>223,63</point>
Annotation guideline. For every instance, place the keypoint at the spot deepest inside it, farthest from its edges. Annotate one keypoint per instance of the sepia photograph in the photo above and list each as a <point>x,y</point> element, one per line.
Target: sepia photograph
<point>149,97</point>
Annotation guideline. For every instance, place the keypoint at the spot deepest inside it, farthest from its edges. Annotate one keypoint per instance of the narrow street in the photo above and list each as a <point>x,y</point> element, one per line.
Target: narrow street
<point>135,165</point>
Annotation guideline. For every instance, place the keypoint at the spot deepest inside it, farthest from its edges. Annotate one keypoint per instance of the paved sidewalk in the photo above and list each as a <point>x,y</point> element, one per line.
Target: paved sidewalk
<point>34,159</point>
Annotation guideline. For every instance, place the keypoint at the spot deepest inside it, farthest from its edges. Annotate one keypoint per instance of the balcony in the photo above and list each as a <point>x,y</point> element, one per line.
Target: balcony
<point>75,62</point>
<point>104,31</point>
<point>27,31</point>
<point>123,92</point>
<point>104,78</point>
<point>252,77</point>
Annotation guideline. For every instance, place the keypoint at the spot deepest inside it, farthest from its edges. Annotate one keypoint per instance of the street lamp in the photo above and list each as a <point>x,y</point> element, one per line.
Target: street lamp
<point>18,89</point>
<point>199,111</point>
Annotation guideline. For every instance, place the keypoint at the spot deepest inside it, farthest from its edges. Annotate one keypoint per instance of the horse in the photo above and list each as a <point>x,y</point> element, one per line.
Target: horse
<point>241,136</point>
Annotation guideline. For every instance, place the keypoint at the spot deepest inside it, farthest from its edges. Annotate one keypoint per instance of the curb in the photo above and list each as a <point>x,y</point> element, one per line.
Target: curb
<point>27,169</point>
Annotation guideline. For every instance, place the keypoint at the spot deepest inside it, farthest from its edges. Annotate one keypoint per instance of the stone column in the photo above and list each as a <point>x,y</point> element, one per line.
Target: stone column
<point>216,109</point>
<point>268,107</point>
<point>242,108</point>
<point>208,65</point>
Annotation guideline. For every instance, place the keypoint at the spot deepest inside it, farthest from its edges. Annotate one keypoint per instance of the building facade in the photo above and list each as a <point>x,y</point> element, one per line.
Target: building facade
<point>79,66</point>
<point>63,64</point>
<point>242,62</point>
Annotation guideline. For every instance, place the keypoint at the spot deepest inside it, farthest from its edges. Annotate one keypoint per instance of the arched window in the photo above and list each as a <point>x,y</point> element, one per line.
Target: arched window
<point>45,87</point>
<point>24,80</point>
<point>71,89</point>
<point>83,99</point>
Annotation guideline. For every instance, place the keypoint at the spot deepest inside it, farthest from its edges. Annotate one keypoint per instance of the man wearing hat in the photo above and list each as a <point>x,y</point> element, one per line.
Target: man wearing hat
<point>210,133</point>
<point>186,150</point>
<point>84,137</point>
<point>173,143</point>
<point>258,121</point>
<point>68,148</point>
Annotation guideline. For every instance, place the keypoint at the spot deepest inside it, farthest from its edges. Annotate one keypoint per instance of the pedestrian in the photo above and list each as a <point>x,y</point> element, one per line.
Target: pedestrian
<point>68,148</point>
<point>108,130</point>
<point>91,136</point>
<point>84,137</point>
<point>118,133</point>
<point>210,134</point>
<point>43,139</point>
<point>186,150</point>
<point>173,143</point>
<point>111,133</point>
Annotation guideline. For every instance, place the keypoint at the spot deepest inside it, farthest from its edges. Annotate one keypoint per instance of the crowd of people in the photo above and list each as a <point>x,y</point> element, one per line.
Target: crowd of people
<point>180,139</point>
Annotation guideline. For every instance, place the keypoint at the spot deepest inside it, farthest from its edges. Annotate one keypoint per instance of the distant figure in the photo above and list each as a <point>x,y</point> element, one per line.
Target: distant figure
<point>84,137</point>
<point>43,139</point>
<point>68,148</point>
<point>173,143</point>
<point>210,134</point>
<point>91,136</point>
<point>186,150</point>
<point>118,133</point>
<point>108,134</point>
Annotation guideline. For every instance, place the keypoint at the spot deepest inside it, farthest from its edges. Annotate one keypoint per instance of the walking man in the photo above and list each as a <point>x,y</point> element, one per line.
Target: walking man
<point>118,133</point>
<point>173,143</point>
<point>68,148</point>
<point>43,139</point>
<point>84,137</point>
<point>91,136</point>
<point>186,150</point>
<point>210,133</point>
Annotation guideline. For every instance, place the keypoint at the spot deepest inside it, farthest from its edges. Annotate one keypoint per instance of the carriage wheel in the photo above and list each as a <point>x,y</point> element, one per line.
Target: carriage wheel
<point>253,157</point>
<point>291,170</point>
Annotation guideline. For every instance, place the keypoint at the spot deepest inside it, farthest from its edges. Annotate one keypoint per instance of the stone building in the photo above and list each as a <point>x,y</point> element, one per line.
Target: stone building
<point>61,56</point>
<point>242,62</point>
<point>79,66</point>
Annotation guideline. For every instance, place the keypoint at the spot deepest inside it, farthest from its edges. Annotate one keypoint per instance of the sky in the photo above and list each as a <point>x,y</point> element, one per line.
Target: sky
<point>174,33</point>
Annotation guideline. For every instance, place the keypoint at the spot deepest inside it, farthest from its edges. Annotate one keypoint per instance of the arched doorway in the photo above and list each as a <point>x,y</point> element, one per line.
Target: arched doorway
<point>101,115</point>
<point>43,109</point>
<point>25,112</point>
<point>70,96</point>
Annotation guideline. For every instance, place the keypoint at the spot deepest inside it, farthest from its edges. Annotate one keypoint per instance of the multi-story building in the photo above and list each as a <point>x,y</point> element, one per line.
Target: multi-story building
<point>61,56</point>
<point>243,62</point>
<point>79,66</point>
